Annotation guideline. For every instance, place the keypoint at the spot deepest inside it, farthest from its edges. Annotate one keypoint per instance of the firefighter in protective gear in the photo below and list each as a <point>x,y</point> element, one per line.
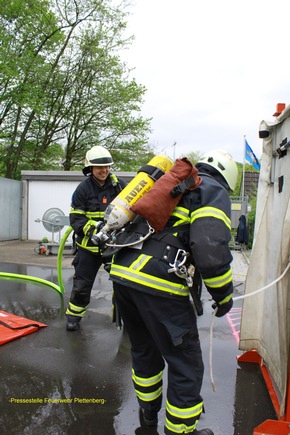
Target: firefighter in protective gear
<point>89,202</point>
<point>152,293</point>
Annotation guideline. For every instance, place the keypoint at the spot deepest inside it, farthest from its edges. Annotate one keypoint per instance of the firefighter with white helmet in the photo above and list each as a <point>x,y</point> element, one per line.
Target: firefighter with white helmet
<point>221,165</point>
<point>152,288</point>
<point>89,203</point>
<point>97,156</point>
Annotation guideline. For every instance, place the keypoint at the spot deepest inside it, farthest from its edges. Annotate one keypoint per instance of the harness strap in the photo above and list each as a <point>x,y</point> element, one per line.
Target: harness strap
<point>160,250</point>
<point>182,187</point>
<point>152,171</point>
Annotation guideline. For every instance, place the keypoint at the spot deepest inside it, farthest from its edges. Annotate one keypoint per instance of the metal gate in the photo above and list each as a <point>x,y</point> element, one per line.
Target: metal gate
<point>10,206</point>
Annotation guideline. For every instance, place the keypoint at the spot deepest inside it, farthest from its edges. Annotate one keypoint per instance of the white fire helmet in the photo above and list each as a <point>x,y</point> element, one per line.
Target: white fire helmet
<point>223,162</point>
<point>97,156</point>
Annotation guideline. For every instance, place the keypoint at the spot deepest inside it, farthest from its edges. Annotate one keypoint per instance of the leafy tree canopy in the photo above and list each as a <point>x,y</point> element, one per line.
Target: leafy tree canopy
<point>63,87</point>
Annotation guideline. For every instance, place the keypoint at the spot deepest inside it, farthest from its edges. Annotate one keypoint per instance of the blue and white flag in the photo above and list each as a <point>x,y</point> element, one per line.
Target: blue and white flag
<point>250,156</point>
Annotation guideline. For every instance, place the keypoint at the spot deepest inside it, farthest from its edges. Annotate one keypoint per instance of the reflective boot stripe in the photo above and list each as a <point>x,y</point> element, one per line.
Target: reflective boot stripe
<point>148,397</point>
<point>148,389</point>
<point>192,412</point>
<point>180,428</point>
<point>74,310</point>
<point>188,418</point>
<point>146,382</point>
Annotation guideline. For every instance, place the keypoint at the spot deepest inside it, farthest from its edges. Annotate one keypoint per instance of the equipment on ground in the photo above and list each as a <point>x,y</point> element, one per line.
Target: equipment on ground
<point>12,326</point>
<point>53,221</point>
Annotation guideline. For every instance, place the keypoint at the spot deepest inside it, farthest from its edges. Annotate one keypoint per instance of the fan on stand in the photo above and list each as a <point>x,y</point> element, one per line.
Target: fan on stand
<point>53,221</point>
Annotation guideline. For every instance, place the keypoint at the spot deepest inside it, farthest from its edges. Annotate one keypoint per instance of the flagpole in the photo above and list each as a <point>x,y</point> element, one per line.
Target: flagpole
<point>243,175</point>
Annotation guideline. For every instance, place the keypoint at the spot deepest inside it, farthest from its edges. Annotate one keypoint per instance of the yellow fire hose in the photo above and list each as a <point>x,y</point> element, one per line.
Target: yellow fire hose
<point>30,279</point>
<point>39,281</point>
<point>59,258</point>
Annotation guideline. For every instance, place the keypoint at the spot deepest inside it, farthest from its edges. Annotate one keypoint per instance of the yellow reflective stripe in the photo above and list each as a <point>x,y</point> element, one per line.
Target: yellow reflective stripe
<point>211,212</point>
<point>181,213</point>
<point>219,281</point>
<point>89,214</point>
<point>146,382</point>
<point>226,299</point>
<point>180,428</point>
<point>140,262</point>
<point>114,178</point>
<point>95,214</point>
<point>72,313</point>
<point>77,211</point>
<point>74,310</point>
<point>148,280</point>
<point>76,307</point>
<point>88,225</point>
<point>191,412</point>
<point>148,397</point>
<point>88,248</point>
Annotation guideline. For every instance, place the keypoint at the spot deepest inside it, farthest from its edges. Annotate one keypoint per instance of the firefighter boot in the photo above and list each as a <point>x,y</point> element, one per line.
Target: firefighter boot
<point>73,323</point>
<point>150,418</point>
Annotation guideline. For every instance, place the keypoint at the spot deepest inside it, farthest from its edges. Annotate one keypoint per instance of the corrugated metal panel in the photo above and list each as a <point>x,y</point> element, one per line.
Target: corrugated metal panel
<point>10,200</point>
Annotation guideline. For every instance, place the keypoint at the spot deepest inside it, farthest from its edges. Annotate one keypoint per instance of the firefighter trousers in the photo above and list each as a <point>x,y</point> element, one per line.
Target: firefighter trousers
<point>86,267</point>
<point>164,329</point>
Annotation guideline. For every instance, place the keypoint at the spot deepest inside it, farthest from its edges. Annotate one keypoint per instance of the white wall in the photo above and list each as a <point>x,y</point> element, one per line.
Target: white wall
<point>45,190</point>
<point>44,195</point>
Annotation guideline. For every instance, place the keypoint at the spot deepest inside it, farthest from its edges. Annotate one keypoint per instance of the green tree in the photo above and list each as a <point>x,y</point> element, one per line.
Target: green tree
<point>29,36</point>
<point>62,82</point>
<point>194,156</point>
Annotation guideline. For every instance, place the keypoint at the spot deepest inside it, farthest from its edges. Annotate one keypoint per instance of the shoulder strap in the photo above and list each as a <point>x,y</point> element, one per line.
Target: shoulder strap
<point>182,187</point>
<point>116,183</point>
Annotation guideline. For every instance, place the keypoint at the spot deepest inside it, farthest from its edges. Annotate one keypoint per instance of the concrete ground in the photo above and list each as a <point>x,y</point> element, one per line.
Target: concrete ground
<point>58,382</point>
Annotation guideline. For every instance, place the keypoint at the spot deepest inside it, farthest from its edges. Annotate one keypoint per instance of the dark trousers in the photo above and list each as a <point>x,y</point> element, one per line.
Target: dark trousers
<point>163,328</point>
<point>86,267</point>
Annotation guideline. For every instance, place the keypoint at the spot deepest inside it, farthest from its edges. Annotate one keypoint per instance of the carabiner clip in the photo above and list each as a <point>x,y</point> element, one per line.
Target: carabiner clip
<point>178,265</point>
<point>177,262</point>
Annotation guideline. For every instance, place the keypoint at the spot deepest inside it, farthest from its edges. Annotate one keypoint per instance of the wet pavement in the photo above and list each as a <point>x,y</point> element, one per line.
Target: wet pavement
<point>58,382</point>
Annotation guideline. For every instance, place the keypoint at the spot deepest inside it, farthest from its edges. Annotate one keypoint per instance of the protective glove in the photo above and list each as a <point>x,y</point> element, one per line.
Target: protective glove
<point>90,228</point>
<point>92,232</point>
<point>222,309</point>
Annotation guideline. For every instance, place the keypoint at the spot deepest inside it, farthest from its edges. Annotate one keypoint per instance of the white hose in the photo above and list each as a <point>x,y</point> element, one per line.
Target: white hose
<point>142,239</point>
<point>236,299</point>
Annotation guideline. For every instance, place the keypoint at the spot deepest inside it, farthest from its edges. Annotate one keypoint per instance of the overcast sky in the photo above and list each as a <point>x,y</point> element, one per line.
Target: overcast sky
<point>213,70</point>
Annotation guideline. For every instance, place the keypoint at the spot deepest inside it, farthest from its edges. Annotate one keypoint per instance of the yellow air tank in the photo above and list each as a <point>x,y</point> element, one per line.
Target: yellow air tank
<point>118,213</point>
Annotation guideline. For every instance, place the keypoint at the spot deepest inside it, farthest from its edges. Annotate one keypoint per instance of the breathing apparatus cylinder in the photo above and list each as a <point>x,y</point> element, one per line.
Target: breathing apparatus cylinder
<point>118,212</point>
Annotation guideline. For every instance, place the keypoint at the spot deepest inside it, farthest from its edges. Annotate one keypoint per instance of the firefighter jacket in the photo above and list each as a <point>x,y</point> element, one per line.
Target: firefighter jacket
<point>200,224</point>
<point>89,202</point>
